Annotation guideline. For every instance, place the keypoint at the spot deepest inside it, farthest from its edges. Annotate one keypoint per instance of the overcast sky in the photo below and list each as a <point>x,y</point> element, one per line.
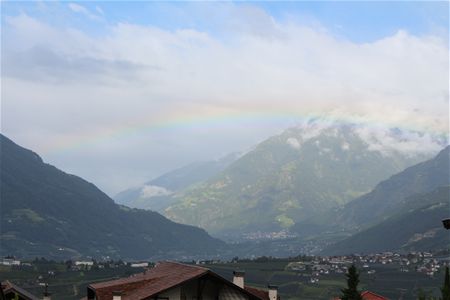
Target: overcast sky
<point>119,93</point>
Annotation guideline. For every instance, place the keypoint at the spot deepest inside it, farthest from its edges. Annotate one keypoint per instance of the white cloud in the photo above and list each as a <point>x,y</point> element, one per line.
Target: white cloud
<point>293,142</point>
<point>125,90</point>
<point>406,142</point>
<point>150,191</point>
<point>345,146</point>
<point>84,11</point>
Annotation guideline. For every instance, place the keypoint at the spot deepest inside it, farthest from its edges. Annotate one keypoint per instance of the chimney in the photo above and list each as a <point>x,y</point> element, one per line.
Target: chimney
<point>117,295</point>
<point>273,292</point>
<point>238,278</point>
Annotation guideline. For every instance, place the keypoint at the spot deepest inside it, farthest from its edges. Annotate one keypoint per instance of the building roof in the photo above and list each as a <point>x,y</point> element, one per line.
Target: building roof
<point>164,276</point>
<point>257,292</point>
<point>9,287</point>
<point>367,295</point>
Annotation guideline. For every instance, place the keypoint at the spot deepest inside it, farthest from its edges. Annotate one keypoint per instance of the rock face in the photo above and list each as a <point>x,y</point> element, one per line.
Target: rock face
<point>46,212</point>
<point>297,175</point>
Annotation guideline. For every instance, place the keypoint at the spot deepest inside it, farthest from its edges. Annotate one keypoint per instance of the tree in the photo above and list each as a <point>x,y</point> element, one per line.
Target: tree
<point>445,290</point>
<point>351,292</point>
<point>421,295</point>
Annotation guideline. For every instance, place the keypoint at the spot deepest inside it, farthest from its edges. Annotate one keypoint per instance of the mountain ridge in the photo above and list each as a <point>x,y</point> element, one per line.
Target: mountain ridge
<point>388,196</point>
<point>417,228</point>
<point>156,194</point>
<point>47,212</point>
<point>291,176</point>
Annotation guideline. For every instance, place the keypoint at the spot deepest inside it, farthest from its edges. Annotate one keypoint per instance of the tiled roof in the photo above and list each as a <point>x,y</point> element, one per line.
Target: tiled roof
<point>258,293</point>
<point>163,276</point>
<point>8,286</point>
<point>367,295</point>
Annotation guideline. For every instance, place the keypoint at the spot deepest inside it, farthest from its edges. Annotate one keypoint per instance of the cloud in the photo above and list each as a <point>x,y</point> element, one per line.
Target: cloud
<point>44,64</point>
<point>86,12</point>
<point>150,191</point>
<point>406,142</point>
<point>159,98</point>
<point>293,142</point>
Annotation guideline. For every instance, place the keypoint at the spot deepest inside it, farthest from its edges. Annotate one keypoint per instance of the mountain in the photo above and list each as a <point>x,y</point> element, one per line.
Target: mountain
<point>297,175</point>
<point>46,212</point>
<point>157,193</point>
<point>414,229</point>
<point>392,195</point>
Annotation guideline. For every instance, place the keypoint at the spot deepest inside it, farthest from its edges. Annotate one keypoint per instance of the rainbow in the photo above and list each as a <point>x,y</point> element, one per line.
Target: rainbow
<point>182,122</point>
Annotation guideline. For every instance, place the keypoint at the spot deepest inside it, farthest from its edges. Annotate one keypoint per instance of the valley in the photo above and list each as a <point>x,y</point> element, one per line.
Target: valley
<point>304,277</point>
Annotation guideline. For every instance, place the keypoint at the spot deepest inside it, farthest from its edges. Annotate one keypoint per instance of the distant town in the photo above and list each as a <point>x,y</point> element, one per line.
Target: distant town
<point>309,270</point>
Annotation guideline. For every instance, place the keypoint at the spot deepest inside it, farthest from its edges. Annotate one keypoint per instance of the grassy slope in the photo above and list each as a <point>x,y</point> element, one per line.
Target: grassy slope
<point>276,185</point>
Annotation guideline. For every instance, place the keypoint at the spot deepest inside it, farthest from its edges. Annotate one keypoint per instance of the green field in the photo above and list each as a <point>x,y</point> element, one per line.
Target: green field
<point>63,283</point>
<point>67,284</point>
<point>387,281</point>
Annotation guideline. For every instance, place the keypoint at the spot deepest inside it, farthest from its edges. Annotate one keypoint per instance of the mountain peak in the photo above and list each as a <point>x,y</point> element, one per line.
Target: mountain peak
<point>304,171</point>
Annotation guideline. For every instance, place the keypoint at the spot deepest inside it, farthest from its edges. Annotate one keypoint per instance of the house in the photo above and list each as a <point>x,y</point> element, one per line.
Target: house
<point>139,265</point>
<point>367,295</point>
<point>8,261</point>
<point>176,281</point>
<point>10,291</point>
<point>86,264</point>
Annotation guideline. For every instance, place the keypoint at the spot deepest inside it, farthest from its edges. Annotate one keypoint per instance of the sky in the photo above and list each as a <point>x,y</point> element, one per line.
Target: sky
<point>121,92</point>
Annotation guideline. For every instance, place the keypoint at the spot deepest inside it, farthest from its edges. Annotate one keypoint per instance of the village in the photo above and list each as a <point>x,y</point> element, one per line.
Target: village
<point>306,270</point>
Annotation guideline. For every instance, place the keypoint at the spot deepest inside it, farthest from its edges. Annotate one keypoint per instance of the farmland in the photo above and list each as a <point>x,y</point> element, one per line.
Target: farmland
<point>392,275</point>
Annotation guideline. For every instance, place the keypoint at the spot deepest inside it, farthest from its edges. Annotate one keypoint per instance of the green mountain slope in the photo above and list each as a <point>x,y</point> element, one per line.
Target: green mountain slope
<point>391,196</point>
<point>46,212</point>
<point>412,229</point>
<point>291,177</point>
<point>157,193</point>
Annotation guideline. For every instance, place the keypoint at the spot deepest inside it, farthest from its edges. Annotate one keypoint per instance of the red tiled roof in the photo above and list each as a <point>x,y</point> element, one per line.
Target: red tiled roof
<point>367,295</point>
<point>258,293</point>
<point>8,286</point>
<point>163,276</point>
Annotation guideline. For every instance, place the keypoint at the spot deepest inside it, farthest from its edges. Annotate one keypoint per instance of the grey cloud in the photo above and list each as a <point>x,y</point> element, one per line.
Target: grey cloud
<point>43,64</point>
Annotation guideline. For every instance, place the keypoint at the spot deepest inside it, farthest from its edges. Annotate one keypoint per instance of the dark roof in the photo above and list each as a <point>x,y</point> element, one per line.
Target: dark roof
<point>9,287</point>
<point>163,276</point>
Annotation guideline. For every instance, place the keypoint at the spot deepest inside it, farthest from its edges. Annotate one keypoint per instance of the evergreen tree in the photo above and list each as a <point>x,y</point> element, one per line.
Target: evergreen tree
<point>351,292</point>
<point>445,290</point>
<point>421,295</point>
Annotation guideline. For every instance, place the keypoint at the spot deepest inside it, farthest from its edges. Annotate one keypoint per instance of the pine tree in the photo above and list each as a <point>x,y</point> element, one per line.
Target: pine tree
<point>421,295</point>
<point>445,290</point>
<point>351,292</point>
